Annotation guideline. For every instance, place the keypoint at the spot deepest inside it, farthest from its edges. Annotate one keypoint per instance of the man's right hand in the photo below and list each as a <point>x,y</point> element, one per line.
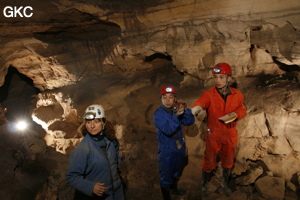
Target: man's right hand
<point>197,110</point>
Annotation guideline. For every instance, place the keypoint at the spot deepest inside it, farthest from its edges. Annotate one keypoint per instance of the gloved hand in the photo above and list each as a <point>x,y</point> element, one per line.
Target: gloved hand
<point>232,114</point>
<point>180,111</point>
<point>179,107</point>
<point>197,110</point>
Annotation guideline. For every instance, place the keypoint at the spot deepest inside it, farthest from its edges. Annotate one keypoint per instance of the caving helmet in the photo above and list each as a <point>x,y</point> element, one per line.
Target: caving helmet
<point>167,89</point>
<point>93,112</point>
<point>222,68</point>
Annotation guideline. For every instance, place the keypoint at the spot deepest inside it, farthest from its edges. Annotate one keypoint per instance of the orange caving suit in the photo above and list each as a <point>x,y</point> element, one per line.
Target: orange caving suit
<point>220,137</point>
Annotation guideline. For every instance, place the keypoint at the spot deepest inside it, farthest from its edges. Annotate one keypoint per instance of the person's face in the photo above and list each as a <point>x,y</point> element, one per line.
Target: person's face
<point>221,80</point>
<point>94,126</point>
<point>168,100</point>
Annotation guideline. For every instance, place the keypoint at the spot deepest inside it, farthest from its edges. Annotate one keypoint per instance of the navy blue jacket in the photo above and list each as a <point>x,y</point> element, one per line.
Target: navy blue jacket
<point>169,126</point>
<point>89,165</point>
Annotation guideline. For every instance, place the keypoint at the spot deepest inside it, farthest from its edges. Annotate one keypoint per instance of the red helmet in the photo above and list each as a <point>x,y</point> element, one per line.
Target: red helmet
<point>167,89</point>
<point>222,68</point>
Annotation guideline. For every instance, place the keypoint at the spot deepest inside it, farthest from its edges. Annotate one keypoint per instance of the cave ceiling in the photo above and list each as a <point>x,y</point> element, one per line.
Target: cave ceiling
<point>65,41</point>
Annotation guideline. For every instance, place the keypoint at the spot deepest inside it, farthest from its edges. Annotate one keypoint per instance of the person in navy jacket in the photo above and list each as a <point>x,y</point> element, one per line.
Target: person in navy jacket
<point>168,120</point>
<point>94,163</point>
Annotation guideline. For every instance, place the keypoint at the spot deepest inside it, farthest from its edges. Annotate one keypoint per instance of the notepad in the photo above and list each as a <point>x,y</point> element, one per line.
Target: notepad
<point>228,118</point>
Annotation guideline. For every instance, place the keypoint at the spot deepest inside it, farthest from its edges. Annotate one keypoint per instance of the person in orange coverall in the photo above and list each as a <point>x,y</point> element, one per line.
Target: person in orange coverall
<point>222,136</point>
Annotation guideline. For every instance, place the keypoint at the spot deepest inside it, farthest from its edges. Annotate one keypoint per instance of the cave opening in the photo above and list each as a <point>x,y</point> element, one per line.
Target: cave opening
<point>162,61</point>
<point>158,55</point>
<point>17,95</point>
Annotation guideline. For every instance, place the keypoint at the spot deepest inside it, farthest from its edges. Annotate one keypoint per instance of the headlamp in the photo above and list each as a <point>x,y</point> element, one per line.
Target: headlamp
<point>21,125</point>
<point>217,70</point>
<point>169,89</point>
<point>90,115</point>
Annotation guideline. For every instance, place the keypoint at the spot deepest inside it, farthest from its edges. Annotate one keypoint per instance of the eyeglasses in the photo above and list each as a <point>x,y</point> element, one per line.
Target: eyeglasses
<point>90,115</point>
<point>217,70</point>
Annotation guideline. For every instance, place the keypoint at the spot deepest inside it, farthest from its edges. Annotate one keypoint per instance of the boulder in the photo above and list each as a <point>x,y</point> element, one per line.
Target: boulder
<point>250,178</point>
<point>272,188</point>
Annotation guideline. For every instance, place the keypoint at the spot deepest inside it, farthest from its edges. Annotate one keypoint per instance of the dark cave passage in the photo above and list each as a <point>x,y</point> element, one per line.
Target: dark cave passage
<point>16,96</point>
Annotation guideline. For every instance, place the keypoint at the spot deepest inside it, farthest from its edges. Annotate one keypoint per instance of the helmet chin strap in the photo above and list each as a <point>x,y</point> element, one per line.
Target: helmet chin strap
<point>103,125</point>
<point>225,86</point>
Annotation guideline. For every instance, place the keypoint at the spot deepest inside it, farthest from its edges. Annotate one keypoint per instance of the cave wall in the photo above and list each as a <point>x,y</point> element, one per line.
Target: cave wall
<point>119,54</point>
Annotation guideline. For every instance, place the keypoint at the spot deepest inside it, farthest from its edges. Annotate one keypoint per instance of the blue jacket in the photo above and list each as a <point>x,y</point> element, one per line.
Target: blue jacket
<point>169,127</point>
<point>88,165</point>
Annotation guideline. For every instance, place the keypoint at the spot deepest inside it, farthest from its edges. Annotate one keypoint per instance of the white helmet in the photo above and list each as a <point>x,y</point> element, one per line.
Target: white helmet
<point>93,112</point>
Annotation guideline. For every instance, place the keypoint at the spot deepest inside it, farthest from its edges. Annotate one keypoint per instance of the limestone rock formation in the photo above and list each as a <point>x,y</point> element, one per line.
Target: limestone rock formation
<point>271,187</point>
<point>119,54</point>
<point>251,177</point>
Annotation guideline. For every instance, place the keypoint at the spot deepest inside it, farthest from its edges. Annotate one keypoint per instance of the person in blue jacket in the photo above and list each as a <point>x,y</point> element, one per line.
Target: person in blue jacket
<point>168,120</point>
<point>94,163</point>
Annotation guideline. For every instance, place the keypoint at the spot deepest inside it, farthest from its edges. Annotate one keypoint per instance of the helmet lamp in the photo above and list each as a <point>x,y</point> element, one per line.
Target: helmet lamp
<point>90,115</point>
<point>217,70</point>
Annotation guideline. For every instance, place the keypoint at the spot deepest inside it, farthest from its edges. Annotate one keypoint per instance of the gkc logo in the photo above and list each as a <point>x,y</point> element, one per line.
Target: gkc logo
<point>15,11</point>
